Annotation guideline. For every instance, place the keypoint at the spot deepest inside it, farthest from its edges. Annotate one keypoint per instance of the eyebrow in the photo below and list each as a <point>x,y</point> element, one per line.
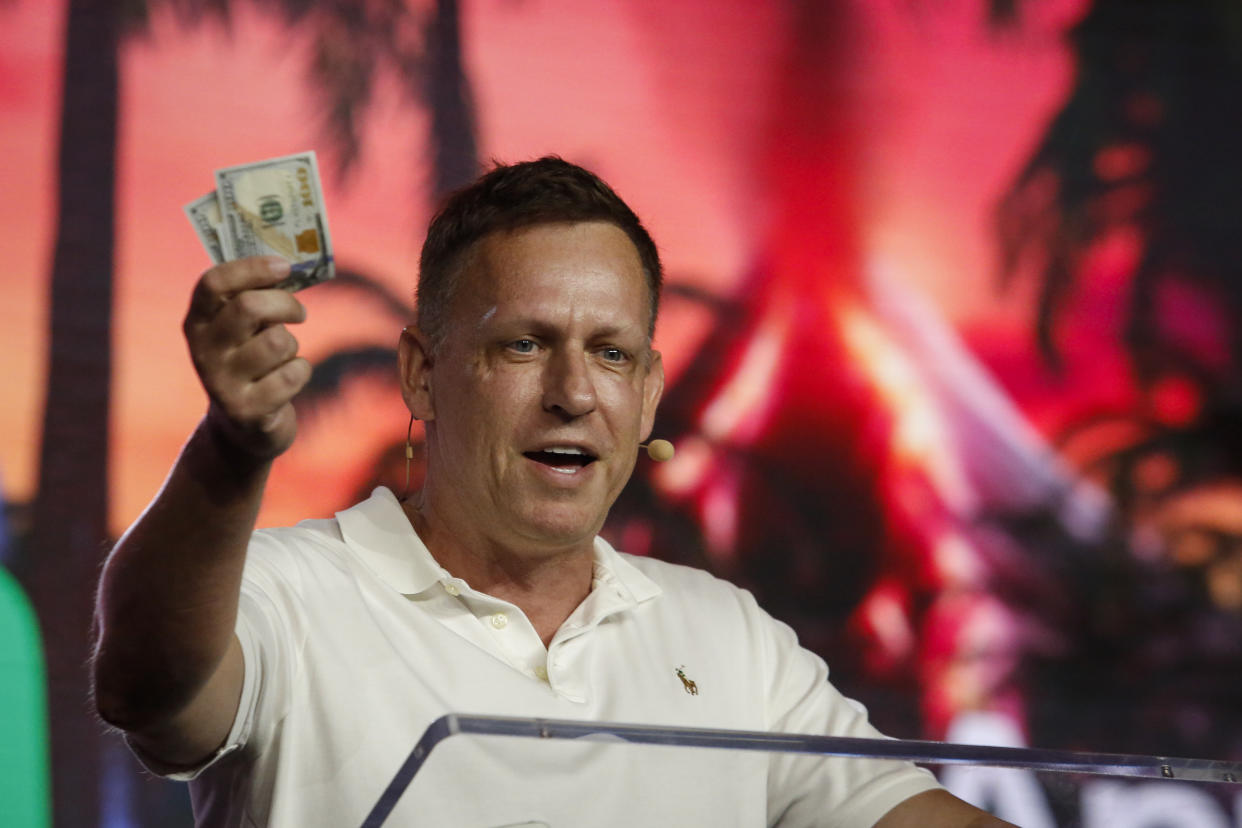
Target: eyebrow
<point>543,327</point>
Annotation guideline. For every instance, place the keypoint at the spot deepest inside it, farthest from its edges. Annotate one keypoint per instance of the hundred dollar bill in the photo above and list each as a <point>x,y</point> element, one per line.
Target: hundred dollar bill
<point>276,207</point>
<point>204,213</point>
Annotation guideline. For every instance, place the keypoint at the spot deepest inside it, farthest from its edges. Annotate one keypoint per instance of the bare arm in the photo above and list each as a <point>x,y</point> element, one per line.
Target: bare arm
<point>938,809</point>
<point>167,667</point>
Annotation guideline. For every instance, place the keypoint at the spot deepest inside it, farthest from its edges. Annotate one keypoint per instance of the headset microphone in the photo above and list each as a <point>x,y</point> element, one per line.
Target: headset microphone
<point>659,450</point>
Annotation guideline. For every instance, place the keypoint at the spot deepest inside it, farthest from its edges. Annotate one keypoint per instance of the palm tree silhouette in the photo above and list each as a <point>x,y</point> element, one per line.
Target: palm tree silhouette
<point>352,43</point>
<point>1146,142</point>
<point>69,519</point>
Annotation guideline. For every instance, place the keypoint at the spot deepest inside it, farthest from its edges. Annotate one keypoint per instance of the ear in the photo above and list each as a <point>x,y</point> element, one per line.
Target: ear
<point>415,362</point>
<point>653,390</point>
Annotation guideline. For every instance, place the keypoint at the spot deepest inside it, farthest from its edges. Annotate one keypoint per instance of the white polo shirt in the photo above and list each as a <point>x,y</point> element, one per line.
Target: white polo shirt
<point>355,640</point>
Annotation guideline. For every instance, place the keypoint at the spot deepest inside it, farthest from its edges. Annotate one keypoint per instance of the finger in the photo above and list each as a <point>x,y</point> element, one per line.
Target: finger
<point>220,283</point>
<point>250,312</point>
<point>280,419</point>
<point>279,386</point>
<point>265,437</point>
<point>263,353</point>
<point>248,405</point>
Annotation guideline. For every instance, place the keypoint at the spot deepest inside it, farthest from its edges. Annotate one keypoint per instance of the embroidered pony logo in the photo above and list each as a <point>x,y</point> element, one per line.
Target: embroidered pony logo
<point>688,683</point>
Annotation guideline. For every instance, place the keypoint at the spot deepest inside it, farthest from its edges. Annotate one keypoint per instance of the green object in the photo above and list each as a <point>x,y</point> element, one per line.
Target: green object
<point>25,797</point>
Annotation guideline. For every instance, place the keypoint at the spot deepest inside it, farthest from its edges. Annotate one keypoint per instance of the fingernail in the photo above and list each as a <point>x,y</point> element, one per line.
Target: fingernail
<point>277,265</point>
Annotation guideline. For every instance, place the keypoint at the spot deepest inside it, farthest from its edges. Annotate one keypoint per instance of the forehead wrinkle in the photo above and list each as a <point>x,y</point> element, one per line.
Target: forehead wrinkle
<point>504,256</point>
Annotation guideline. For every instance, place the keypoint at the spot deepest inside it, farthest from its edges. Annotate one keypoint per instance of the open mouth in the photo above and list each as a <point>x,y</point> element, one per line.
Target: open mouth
<point>562,457</point>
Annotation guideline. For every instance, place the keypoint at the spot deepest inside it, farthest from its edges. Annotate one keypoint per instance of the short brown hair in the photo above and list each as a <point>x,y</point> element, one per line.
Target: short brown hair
<point>514,196</point>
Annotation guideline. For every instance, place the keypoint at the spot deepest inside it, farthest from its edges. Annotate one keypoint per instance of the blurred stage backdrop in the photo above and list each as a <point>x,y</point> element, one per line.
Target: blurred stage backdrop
<point>952,331</point>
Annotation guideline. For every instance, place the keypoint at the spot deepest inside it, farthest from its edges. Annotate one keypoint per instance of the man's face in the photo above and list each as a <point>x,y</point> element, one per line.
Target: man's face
<point>543,385</point>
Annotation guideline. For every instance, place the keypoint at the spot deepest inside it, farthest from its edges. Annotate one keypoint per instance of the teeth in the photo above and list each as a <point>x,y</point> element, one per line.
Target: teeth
<point>564,450</point>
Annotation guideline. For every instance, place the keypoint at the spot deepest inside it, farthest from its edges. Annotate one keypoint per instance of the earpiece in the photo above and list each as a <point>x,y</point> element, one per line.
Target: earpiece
<point>409,455</point>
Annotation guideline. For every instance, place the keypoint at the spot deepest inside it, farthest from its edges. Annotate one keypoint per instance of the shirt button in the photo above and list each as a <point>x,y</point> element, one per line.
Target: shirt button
<point>451,588</point>
<point>541,673</point>
<point>500,620</point>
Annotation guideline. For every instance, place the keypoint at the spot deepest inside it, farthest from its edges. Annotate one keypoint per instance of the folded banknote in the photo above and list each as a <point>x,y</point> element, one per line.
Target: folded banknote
<point>272,207</point>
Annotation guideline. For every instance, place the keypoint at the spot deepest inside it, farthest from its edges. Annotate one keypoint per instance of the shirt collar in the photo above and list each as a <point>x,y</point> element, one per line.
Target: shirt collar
<point>380,534</point>
<point>612,568</point>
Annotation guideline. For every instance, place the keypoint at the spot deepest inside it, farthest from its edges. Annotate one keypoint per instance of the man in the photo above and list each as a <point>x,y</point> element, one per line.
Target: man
<point>289,673</point>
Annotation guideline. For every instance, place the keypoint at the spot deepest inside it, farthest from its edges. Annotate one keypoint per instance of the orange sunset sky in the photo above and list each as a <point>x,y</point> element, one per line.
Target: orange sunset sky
<point>667,101</point>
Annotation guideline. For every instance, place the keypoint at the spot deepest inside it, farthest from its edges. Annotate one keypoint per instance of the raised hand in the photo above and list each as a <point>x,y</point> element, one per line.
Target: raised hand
<point>245,355</point>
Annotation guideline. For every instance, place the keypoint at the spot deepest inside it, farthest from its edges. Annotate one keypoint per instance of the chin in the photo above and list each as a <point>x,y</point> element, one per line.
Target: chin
<point>560,536</point>
<point>558,528</point>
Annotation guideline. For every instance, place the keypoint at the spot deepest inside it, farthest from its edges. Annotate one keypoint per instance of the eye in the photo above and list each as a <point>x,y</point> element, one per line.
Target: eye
<point>523,346</point>
<point>613,354</point>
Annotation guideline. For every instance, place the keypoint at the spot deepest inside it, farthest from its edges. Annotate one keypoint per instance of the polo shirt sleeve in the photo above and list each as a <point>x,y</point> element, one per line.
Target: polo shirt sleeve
<point>271,629</point>
<point>823,791</point>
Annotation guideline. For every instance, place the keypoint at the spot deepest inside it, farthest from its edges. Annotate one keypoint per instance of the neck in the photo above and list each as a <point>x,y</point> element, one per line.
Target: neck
<point>547,585</point>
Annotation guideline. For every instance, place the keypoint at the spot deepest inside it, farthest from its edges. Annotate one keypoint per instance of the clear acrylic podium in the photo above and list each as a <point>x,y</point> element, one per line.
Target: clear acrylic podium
<point>923,752</point>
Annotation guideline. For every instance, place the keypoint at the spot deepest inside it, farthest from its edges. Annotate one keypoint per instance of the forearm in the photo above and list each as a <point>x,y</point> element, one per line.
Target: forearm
<point>168,595</point>
<point>168,669</point>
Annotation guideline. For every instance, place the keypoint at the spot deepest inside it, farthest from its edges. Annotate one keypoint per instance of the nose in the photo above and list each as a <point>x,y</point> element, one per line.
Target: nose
<point>568,388</point>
